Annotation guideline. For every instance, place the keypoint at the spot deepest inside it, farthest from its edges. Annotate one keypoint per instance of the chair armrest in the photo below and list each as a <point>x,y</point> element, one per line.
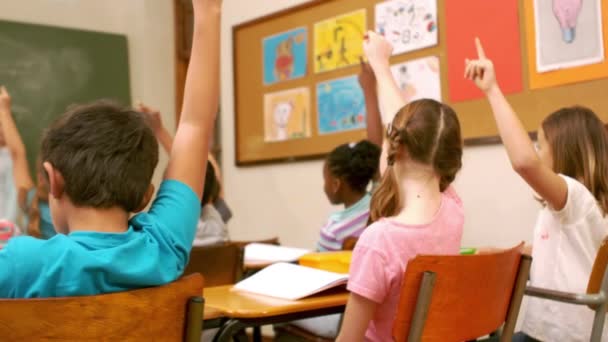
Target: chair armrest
<point>566,297</point>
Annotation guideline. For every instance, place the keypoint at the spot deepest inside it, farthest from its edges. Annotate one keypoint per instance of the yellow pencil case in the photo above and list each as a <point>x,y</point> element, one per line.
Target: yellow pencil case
<point>338,262</point>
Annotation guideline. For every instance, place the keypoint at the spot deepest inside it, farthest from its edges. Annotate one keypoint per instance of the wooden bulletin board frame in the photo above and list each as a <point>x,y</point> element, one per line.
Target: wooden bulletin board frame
<point>475,116</point>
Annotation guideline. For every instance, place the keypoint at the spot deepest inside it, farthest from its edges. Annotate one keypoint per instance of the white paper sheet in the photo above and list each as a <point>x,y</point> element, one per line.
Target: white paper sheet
<point>289,281</point>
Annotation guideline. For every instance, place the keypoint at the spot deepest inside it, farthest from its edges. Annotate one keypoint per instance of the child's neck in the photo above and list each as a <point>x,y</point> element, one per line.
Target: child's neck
<point>421,197</point>
<point>352,199</point>
<point>111,220</point>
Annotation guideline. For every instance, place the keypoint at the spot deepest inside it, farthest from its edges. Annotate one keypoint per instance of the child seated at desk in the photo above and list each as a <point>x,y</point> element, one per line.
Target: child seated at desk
<point>99,160</point>
<point>347,172</point>
<point>568,170</point>
<point>211,229</point>
<point>414,209</point>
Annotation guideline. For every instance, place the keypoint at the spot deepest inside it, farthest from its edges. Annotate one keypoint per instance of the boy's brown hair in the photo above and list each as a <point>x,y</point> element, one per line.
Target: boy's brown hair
<point>106,154</point>
<point>428,132</point>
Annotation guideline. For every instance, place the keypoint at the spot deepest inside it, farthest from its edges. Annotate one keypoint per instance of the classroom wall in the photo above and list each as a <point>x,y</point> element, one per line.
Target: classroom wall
<point>287,200</point>
<point>148,25</point>
<point>284,200</point>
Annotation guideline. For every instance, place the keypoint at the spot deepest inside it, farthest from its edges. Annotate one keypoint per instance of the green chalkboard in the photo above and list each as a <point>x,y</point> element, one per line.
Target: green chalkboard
<point>46,69</point>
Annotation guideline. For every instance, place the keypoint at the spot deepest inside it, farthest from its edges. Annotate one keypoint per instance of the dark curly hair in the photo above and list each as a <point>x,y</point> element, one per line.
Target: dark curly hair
<point>356,163</point>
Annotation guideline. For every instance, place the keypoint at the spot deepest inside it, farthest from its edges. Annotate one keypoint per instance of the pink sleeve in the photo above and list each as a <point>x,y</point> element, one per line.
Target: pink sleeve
<point>368,274</point>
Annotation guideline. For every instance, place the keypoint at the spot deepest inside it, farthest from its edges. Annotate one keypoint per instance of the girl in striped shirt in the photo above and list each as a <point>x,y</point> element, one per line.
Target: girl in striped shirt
<point>347,172</point>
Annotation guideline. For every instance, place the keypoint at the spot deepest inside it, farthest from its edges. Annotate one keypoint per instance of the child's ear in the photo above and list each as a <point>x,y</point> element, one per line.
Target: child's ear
<point>56,182</point>
<point>337,185</point>
<point>147,198</point>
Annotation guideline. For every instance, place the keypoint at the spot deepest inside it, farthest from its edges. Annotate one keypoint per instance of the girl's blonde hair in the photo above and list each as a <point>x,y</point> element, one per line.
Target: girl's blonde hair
<point>579,147</point>
<point>430,136</point>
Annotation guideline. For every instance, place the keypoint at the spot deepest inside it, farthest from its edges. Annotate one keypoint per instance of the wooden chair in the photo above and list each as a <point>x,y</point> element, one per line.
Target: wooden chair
<point>167,313</point>
<point>349,243</point>
<point>461,298</point>
<point>220,265</point>
<point>595,298</point>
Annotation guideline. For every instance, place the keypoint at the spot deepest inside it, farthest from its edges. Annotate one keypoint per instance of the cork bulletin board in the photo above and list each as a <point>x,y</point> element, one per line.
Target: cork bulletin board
<point>279,115</point>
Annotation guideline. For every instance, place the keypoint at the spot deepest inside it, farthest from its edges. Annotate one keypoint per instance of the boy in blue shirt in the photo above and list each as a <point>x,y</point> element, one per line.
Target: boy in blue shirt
<point>99,160</point>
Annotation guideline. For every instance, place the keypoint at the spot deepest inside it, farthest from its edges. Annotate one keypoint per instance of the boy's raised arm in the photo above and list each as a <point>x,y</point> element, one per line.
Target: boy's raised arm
<point>191,144</point>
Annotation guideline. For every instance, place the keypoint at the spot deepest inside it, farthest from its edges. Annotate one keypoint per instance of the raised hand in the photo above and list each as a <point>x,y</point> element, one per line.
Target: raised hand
<point>153,115</point>
<point>5,100</point>
<point>481,70</point>
<point>377,50</point>
<point>367,79</point>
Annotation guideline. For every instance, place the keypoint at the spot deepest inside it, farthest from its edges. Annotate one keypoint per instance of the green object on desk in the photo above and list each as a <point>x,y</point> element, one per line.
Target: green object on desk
<point>468,251</point>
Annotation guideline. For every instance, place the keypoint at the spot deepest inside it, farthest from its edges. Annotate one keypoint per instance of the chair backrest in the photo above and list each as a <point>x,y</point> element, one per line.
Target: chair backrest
<point>349,243</point>
<point>220,264</point>
<point>158,313</point>
<point>599,268</point>
<point>471,296</point>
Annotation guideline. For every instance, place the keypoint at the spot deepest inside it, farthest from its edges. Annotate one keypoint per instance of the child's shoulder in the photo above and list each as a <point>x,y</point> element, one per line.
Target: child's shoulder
<point>34,248</point>
<point>451,194</point>
<point>376,234</point>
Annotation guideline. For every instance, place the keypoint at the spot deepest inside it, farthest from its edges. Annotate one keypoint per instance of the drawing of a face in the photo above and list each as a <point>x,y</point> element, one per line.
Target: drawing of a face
<point>282,113</point>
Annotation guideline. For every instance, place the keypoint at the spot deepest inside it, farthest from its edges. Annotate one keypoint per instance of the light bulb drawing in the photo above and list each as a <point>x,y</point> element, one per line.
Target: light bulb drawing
<point>566,12</point>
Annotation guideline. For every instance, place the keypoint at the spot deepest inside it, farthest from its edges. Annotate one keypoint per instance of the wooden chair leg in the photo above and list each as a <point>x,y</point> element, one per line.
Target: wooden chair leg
<point>516,298</point>
<point>422,306</point>
<point>194,323</point>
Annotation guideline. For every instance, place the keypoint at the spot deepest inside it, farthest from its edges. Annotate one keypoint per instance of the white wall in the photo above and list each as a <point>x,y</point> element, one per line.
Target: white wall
<point>148,25</point>
<point>287,200</point>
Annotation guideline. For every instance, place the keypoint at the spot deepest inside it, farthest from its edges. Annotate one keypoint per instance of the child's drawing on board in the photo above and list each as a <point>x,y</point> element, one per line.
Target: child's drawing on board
<point>407,24</point>
<point>287,115</point>
<point>285,56</point>
<point>338,41</point>
<point>419,79</point>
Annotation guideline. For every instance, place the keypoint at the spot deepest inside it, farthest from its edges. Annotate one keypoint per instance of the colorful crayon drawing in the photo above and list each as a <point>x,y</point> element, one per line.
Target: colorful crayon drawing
<point>419,79</point>
<point>408,24</point>
<point>287,115</point>
<point>285,56</point>
<point>340,105</point>
<point>339,41</point>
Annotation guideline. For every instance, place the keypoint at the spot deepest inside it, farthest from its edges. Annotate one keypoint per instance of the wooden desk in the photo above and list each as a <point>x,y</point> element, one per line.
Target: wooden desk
<point>245,310</point>
<point>210,313</point>
<point>253,265</point>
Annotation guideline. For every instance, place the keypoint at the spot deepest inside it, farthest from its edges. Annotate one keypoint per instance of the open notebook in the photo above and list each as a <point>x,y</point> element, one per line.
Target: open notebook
<point>289,281</point>
<point>259,252</point>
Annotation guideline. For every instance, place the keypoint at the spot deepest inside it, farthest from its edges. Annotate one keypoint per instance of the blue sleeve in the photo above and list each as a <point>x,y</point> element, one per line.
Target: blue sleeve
<point>7,285</point>
<point>176,210</point>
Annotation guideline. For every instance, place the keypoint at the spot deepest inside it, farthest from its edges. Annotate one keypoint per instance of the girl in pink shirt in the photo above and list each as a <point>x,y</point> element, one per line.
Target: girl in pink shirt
<point>414,209</point>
